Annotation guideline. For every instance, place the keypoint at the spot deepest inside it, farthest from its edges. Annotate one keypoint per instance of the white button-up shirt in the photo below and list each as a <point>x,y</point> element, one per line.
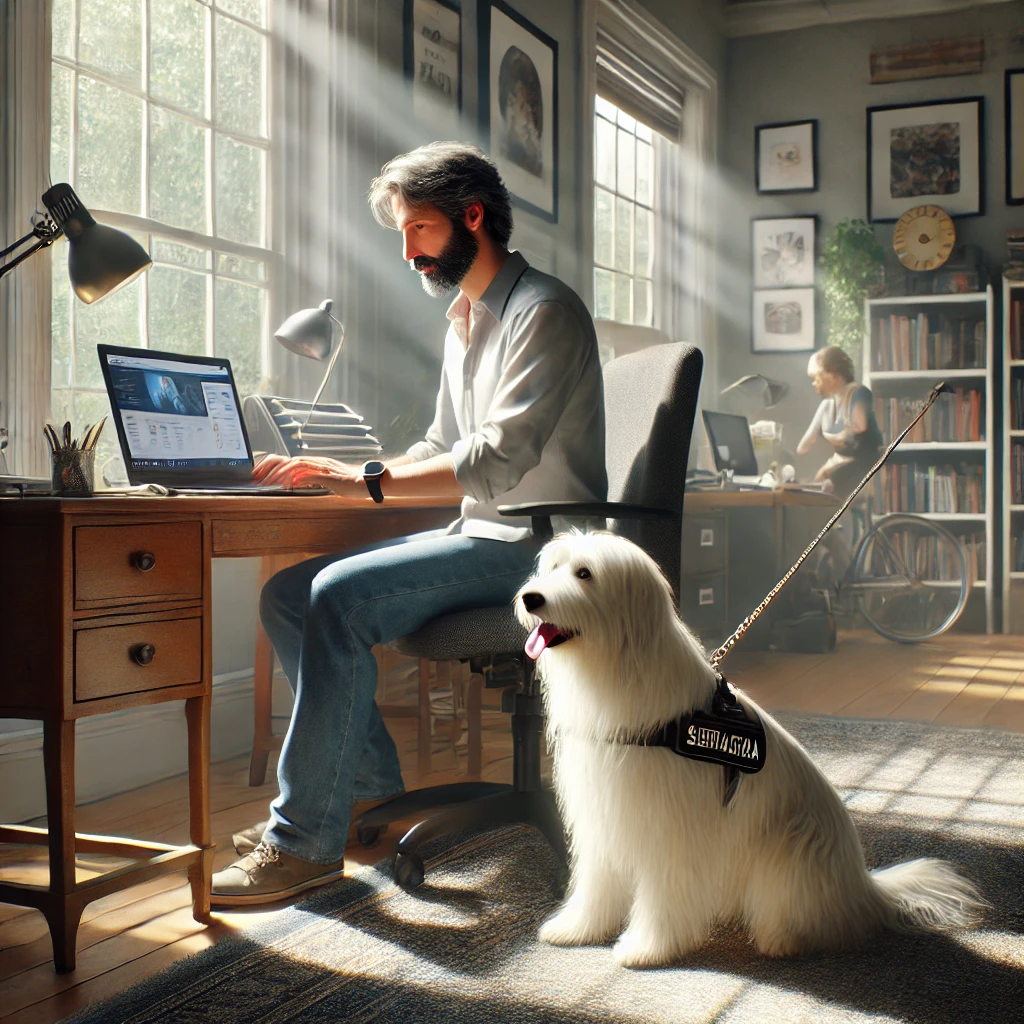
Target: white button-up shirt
<point>520,407</point>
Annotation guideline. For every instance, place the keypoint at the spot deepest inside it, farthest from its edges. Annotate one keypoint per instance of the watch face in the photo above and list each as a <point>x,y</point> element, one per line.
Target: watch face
<point>924,237</point>
<point>373,468</point>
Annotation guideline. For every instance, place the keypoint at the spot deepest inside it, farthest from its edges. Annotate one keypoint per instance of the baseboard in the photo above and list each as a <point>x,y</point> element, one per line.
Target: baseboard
<point>126,749</point>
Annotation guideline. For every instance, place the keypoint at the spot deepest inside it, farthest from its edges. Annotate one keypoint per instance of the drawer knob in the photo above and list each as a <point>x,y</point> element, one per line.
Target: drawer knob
<point>142,654</point>
<point>143,560</point>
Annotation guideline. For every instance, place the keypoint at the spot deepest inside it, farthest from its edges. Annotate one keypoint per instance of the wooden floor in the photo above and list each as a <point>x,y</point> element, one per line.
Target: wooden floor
<point>961,680</point>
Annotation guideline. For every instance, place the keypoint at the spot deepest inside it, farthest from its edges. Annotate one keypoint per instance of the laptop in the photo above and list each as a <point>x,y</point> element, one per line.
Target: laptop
<point>179,422</point>
<point>732,447</point>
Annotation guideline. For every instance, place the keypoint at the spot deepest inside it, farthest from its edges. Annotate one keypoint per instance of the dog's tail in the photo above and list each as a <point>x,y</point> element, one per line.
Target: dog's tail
<point>928,893</point>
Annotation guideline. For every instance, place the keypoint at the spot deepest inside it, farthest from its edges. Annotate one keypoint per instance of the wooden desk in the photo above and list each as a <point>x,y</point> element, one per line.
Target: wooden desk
<point>107,605</point>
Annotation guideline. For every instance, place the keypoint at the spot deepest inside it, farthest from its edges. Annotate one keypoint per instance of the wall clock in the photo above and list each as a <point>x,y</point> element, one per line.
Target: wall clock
<point>923,237</point>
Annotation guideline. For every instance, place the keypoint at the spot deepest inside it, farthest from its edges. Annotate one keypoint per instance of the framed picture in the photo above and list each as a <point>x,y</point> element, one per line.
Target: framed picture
<point>783,251</point>
<point>786,156</point>
<point>924,153</point>
<point>1015,136</point>
<point>783,320</point>
<point>519,106</point>
<point>433,55</point>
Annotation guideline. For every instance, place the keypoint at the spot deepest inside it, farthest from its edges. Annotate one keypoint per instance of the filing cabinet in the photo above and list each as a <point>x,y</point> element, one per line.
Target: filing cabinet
<point>703,586</point>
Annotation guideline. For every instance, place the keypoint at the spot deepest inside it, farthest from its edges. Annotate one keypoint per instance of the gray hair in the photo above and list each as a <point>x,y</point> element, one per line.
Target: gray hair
<point>450,176</point>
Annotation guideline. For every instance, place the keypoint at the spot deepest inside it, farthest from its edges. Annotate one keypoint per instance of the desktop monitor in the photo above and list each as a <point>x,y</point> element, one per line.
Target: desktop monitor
<point>731,444</point>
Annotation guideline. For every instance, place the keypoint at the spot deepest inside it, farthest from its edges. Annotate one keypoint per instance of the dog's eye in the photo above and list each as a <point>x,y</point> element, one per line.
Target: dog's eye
<point>583,573</point>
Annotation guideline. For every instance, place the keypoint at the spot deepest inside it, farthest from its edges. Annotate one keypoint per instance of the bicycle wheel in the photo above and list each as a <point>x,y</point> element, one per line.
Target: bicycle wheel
<point>911,579</point>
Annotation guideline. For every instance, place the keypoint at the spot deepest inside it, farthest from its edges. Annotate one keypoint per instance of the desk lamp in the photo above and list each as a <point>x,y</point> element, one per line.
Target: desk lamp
<point>101,258</point>
<point>773,391</point>
<point>310,333</point>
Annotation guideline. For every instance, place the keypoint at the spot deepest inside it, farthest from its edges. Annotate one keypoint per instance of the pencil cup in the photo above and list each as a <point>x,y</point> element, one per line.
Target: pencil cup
<point>73,471</point>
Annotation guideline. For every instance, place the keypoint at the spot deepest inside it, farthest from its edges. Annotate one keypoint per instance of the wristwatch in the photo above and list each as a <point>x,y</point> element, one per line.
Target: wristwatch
<point>372,472</point>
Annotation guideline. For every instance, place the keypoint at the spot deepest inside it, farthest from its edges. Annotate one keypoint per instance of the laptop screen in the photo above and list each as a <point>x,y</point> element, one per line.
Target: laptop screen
<point>177,417</point>
<point>730,443</point>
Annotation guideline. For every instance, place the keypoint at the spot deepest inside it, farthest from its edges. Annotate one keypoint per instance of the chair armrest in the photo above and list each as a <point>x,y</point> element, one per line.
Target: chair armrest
<point>582,509</point>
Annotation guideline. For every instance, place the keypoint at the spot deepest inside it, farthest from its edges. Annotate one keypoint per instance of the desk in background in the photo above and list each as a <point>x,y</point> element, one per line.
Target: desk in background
<point>736,546</point>
<point>107,605</point>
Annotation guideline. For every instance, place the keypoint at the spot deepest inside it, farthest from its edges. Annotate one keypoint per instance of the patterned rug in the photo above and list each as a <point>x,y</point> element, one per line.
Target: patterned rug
<point>464,948</point>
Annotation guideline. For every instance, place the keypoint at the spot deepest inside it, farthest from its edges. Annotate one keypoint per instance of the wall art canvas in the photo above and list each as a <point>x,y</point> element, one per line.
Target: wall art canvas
<point>783,320</point>
<point>433,49</point>
<point>1015,136</point>
<point>925,153</point>
<point>783,251</point>
<point>786,156</point>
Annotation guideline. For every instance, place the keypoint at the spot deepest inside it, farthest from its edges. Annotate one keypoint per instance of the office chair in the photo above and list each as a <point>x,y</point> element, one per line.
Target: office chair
<point>650,400</point>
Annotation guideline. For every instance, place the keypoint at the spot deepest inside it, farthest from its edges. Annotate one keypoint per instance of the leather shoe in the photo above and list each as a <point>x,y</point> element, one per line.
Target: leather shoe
<point>269,874</point>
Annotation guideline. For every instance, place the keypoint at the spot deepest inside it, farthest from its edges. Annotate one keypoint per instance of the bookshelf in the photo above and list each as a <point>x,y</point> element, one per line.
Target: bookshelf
<point>1013,456</point>
<point>944,470</point>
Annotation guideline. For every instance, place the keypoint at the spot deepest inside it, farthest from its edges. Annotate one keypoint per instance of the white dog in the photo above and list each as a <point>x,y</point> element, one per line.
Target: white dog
<point>653,846</point>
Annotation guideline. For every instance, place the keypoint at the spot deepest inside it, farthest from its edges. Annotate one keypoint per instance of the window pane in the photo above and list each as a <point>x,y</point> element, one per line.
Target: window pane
<point>60,319</point>
<point>238,191</point>
<point>644,174</point>
<point>60,123</point>
<point>251,10</point>
<point>239,78</point>
<point>643,307</point>
<point>236,266</point>
<point>604,152</point>
<point>623,302</point>
<point>110,37</point>
<point>63,40</point>
<point>603,295</point>
<point>177,171</point>
<point>627,122</point>
<point>238,333</point>
<point>626,164</point>
<point>603,107</point>
<point>109,148</point>
<point>90,407</point>
<point>114,321</point>
<point>177,310</point>
<point>604,227</point>
<point>644,230</point>
<point>624,235</point>
<point>174,252</point>
<point>643,132</point>
<point>177,70</point>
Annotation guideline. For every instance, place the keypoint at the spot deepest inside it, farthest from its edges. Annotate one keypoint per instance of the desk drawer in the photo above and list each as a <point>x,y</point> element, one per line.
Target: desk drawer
<point>702,603</point>
<point>704,544</point>
<point>114,660</point>
<point>148,562</point>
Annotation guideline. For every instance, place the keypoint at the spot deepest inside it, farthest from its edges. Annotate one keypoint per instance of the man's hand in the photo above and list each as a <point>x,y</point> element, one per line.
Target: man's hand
<point>311,472</point>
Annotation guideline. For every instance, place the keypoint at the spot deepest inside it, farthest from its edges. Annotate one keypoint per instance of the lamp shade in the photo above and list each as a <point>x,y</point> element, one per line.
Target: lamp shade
<point>772,391</point>
<point>309,332</point>
<point>101,259</point>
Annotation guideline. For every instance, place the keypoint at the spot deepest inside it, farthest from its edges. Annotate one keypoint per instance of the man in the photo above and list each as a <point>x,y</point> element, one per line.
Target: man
<point>519,418</point>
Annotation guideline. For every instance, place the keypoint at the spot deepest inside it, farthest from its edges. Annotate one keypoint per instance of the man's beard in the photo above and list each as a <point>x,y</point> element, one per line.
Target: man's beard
<point>451,265</point>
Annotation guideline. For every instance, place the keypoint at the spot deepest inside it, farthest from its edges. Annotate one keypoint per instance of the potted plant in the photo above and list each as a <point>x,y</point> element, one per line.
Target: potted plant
<point>851,264</point>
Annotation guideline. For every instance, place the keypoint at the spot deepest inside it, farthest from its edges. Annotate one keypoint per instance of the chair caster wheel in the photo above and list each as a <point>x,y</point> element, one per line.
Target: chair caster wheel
<point>409,871</point>
<point>369,834</point>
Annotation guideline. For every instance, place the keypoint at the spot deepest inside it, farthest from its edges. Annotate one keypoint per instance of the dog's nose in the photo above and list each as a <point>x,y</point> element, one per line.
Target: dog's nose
<point>532,601</point>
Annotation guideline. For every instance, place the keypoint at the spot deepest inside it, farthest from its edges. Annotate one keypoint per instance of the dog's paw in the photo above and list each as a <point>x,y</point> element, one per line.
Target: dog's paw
<point>568,929</point>
<point>638,951</point>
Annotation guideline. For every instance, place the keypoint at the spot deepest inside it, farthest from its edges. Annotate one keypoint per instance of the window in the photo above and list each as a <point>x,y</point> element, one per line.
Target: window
<point>624,212</point>
<point>159,122</point>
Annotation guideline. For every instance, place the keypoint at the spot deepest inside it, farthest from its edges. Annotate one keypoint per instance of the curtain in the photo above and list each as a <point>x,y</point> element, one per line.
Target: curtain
<point>25,291</point>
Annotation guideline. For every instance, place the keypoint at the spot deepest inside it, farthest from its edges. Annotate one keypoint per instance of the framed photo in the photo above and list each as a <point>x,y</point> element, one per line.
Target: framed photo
<point>1015,136</point>
<point>786,156</point>
<point>519,106</point>
<point>433,56</point>
<point>923,153</point>
<point>783,320</point>
<point>783,251</point>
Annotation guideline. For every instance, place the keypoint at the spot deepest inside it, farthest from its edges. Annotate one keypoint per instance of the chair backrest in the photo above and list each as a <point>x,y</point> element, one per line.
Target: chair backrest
<point>650,400</point>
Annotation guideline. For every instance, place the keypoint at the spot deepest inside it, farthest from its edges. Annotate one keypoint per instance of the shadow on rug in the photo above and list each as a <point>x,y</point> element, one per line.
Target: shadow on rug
<point>464,947</point>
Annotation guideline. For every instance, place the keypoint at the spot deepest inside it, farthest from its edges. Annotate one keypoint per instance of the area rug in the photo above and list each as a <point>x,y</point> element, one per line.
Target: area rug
<point>463,948</point>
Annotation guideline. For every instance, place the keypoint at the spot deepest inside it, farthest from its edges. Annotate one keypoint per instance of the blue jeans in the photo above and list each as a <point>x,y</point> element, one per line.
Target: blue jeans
<point>323,616</point>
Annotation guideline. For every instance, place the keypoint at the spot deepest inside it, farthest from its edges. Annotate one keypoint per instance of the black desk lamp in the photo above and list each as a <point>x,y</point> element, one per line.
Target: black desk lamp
<point>772,391</point>
<point>101,258</point>
<point>310,333</point>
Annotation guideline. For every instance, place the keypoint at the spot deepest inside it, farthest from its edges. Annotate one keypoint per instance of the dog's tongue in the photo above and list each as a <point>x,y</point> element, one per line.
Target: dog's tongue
<point>539,639</point>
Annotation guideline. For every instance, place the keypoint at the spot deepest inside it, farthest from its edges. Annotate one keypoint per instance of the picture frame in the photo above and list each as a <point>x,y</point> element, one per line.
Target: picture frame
<point>783,251</point>
<point>518,68</point>
<point>1014,116</point>
<point>432,56</point>
<point>783,320</point>
<point>926,153</point>
<point>786,157</point>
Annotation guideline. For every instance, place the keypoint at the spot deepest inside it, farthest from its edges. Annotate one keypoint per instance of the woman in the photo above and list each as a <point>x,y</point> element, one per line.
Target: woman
<point>845,419</point>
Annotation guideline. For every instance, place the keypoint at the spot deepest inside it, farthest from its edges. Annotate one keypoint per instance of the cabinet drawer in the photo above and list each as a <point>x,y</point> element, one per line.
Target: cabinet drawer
<point>109,659</point>
<point>704,544</point>
<point>702,602</point>
<point>153,562</point>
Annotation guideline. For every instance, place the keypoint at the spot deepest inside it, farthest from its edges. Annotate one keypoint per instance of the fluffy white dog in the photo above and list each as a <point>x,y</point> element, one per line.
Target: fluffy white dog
<point>656,857</point>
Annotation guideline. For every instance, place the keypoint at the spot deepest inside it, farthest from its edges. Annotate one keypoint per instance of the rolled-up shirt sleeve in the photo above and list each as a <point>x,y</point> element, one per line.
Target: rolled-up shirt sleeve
<point>546,350</point>
<point>441,434</point>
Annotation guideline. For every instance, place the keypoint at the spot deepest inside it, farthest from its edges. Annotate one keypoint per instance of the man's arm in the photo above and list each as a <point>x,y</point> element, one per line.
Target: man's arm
<point>807,441</point>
